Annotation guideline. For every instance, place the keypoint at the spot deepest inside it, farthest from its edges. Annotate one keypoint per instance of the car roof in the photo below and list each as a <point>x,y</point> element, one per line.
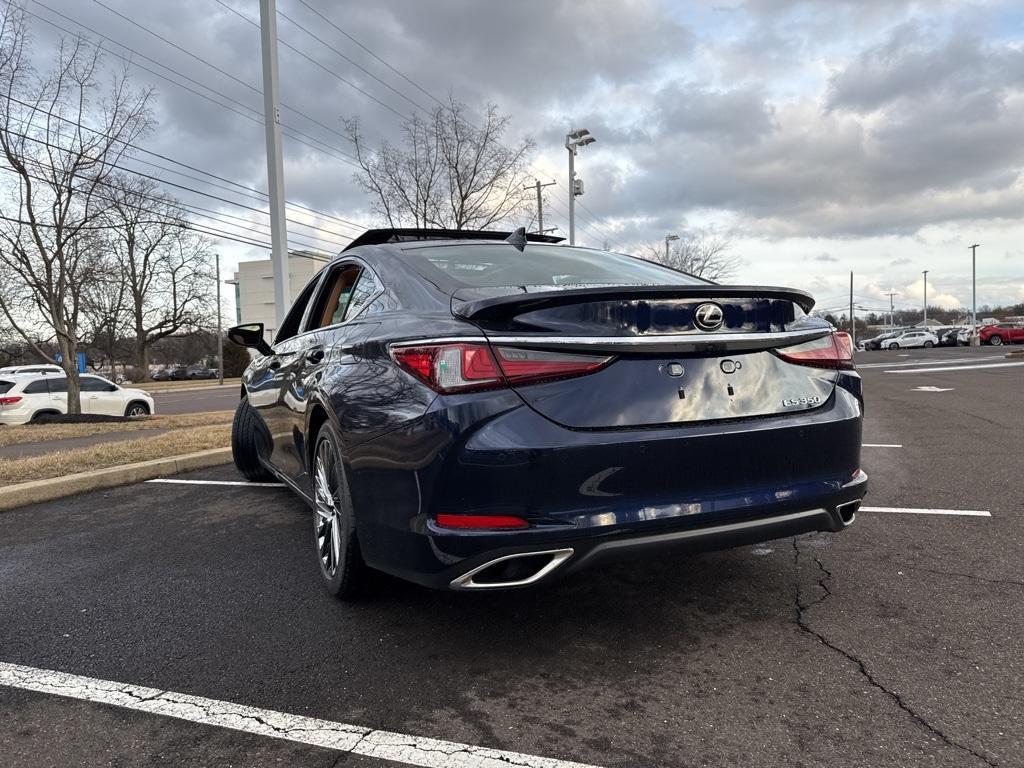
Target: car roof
<point>398,235</point>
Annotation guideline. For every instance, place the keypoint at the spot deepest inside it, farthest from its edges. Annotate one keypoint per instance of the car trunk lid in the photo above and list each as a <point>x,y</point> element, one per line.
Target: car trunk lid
<point>677,354</point>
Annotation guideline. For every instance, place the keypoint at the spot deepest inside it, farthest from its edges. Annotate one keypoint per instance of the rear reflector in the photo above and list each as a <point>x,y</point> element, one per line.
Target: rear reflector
<point>482,522</point>
<point>451,368</point>
<point>832,351</point>
<point>10,400</point>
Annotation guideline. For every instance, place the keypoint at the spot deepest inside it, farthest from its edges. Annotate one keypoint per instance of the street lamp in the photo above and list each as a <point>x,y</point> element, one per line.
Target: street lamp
<point>925,322</point>
<point>974,295</point>
<point>669,239</point>
<point>581,137</point>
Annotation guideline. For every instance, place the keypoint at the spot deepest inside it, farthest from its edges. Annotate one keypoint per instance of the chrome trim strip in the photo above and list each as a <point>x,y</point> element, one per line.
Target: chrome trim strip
<point>676,342</point>
<point>559,556</point>
<point>712,531</point>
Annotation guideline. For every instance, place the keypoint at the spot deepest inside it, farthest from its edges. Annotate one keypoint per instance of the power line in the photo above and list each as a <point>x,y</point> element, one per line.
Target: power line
<point>310,59</point>
<point>255,191</point>
<point>592,216</point>
<point>293,133</point>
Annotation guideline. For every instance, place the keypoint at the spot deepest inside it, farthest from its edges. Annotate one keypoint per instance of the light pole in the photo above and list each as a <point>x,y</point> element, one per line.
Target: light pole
<point>925,321</point>
<point>669,239</point>
<point>573,141</point>
<point>974,294</point>
<point>220,336</point>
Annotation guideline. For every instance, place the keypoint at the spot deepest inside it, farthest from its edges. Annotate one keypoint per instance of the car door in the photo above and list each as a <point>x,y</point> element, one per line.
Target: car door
<point>309,357</point>
<point>101,397</point>
<point>270,381</point>
<point>58,387</point>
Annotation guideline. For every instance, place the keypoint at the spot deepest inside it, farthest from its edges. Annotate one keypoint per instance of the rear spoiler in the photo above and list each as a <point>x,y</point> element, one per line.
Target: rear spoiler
<point>493,307</point>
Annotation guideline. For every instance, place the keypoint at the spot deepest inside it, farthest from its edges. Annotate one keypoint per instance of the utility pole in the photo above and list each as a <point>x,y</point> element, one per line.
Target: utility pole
<point>892,310</point>
<point>220,336</point>
<point>925,321</point>
<point>540,203</point>
<point>275,165</point>
<point>974,294</point>
<point>853,324</point>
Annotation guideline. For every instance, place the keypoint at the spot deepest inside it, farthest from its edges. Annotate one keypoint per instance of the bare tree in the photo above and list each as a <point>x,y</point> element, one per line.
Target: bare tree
<point>52,213</point>
<point>700,253</point>
<point>449,173</point>
<point>166,268</point>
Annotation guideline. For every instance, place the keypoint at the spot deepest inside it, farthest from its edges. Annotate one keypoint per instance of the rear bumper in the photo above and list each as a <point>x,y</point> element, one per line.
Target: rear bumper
<point>548,563</point>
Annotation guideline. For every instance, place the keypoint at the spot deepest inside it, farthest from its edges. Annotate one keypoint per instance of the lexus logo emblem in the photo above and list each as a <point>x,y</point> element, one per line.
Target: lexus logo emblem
<point>708,317</point>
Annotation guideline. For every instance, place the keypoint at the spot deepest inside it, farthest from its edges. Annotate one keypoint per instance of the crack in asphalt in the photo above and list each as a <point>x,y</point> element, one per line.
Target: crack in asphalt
<point>801,621</point>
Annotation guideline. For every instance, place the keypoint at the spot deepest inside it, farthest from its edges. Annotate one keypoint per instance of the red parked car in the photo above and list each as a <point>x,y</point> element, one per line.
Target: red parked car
<point>1003,333</point>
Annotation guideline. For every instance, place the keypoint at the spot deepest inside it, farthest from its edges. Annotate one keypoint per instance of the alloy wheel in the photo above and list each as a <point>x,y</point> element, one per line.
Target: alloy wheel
<point>137,410</point>
<point>327,517</point>
<point>995,341</point>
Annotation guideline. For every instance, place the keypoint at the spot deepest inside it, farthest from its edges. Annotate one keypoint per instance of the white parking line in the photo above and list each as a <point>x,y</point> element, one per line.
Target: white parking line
<point>384,745</point>
<point>216,482</point>
<point>910,511</point>
<point>929,362</point>
<point>880,445</point>
<point>959,368</point>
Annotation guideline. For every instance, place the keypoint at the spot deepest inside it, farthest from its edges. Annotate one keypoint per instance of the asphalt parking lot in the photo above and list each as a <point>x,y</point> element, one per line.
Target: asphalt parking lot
<point>895,643</point>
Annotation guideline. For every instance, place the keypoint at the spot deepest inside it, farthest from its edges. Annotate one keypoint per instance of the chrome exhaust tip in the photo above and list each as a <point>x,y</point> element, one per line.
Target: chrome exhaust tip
<point>512,570</point>
<point>848,512</point>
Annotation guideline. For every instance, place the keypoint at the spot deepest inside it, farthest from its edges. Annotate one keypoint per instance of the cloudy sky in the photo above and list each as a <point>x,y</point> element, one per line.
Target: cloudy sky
<point>821,137</point>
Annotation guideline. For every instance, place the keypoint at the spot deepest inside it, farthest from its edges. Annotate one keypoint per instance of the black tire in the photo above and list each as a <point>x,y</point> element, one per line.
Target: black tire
<point>250,440</point>
<point>894,345</point>
<point>335,543</point>
<point>928,345</point>
<point>995,341</point>
<point>136,408</point>
<point>38,414</point>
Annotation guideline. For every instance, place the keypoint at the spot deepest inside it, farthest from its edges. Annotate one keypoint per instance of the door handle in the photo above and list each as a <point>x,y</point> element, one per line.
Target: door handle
<point>315,355</point>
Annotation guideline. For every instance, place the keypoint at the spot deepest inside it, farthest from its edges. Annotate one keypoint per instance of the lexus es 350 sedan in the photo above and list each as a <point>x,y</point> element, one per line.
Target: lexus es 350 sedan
<point>473,411</point>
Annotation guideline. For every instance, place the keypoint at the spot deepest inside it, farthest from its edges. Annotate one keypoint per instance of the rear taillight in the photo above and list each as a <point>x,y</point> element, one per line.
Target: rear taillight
<point>466,367</point>
<point>832,351</point>
<point>10,400</point>
<point>482,522</point>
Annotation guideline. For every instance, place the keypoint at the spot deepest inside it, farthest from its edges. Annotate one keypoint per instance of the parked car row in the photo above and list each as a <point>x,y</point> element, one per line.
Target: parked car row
<point>182,373</point>
<point>25,397</point>
<point>949,336</point>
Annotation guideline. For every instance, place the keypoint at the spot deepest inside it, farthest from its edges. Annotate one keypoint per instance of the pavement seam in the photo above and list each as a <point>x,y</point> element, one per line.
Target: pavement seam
<point>801,621</point>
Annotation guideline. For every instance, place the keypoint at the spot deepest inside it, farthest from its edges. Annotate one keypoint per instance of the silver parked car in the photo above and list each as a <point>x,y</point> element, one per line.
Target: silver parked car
<point>909,339</point>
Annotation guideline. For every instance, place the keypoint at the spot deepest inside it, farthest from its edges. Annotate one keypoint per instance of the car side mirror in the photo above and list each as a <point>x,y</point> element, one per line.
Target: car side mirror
<point>250,336</point>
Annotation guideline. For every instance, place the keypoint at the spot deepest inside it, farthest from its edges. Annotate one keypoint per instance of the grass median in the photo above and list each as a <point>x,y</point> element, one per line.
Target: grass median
<point>187,434</point>
<point>41,433</point>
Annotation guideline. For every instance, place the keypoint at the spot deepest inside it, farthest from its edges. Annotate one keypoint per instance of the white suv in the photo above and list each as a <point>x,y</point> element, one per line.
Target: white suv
<point>24,397</point>
<point>909,339</point>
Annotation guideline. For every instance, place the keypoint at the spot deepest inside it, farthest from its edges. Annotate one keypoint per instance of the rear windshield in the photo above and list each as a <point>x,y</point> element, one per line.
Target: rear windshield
<point>497,264</point>
<point>5,386</point>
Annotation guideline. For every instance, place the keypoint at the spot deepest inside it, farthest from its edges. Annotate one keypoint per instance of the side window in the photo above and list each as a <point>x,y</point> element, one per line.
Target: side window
<point>36,388</point>
<point>57,386</point>
<point>93,384</point>
<point>366,288</point>
<point>293,319</point>
<point>334,297</point>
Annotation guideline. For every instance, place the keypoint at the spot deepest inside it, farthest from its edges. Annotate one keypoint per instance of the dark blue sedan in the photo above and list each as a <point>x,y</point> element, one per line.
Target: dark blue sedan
<point>472,410</point>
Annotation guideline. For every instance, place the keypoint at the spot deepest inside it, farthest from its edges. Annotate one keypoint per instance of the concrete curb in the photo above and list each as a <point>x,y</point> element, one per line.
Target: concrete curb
<point>35,491</point>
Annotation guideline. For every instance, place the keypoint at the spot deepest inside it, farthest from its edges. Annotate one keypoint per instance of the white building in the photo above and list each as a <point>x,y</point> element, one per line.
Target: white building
<point>254,287</point>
